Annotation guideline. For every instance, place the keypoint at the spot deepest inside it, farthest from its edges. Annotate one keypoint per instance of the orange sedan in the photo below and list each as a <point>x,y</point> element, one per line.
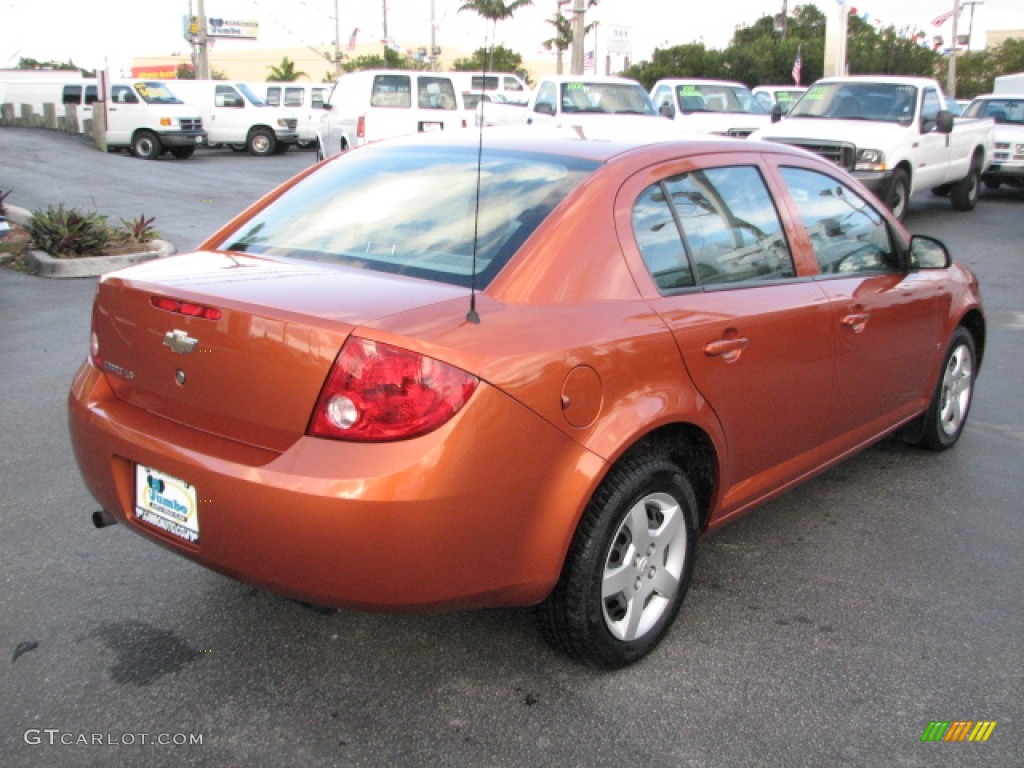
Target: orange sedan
<point>435,373</point>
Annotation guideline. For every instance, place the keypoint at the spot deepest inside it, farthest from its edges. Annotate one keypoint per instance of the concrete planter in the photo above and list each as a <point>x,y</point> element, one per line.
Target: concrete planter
<point>45,265</point>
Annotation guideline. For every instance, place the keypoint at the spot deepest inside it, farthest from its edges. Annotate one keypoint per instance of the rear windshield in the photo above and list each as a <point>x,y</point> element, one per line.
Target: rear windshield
<point>413,210</point>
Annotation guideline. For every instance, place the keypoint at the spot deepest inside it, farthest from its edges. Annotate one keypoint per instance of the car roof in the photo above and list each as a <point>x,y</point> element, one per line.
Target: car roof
<point>698,81</point>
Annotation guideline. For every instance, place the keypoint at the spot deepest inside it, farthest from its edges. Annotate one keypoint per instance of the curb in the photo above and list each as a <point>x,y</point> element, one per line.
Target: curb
<point>45,265</point>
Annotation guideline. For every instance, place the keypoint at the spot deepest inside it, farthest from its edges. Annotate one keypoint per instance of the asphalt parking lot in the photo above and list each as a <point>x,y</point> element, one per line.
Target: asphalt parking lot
<point>827,628</point>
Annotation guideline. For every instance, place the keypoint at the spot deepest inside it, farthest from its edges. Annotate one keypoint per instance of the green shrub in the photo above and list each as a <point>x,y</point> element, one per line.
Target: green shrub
<point>138,230</point>
<point>69,233</point>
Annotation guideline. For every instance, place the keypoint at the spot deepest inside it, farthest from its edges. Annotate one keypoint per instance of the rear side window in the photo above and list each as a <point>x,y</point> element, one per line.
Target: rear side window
<point>848,235</point>
<point>436,93</point>
<point>711,227</point>
<point>318,96</point>
<point>393,91</point>
<point>293,97</point>
<point>72,94</point>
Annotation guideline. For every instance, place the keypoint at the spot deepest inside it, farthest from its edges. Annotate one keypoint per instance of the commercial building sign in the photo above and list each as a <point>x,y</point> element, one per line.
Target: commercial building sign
<point>221,27</point>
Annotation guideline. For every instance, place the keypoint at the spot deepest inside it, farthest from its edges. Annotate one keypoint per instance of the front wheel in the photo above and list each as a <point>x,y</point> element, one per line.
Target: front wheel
<point>146,145</point>
<point>628,567</point>
<point>940,427</point>
<point>262,142</point>
<point>898,196</point>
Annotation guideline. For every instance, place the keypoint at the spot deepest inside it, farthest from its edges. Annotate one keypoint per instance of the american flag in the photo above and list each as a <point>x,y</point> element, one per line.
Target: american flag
<point>942,18</point>
<point>352,39</point>
<point>798,65</point>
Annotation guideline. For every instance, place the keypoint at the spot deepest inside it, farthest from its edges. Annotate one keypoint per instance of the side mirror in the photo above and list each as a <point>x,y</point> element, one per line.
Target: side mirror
<point>928,253</point>
<point>776,112</point>
<point>944,121</point>
<point>667,110</point>
<point>544,108</point>
<point>327,105</point>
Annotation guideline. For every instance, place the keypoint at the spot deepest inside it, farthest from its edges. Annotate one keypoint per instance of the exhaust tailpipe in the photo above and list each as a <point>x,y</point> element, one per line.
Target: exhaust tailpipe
<point>101,518</point>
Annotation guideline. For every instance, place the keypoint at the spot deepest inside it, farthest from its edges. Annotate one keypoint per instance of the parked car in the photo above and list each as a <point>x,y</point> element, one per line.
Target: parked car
<point>439,373</point>
<point>1007,110</point>
<point>783,95</point>
<point>710,106</point>
<point>305,100</point>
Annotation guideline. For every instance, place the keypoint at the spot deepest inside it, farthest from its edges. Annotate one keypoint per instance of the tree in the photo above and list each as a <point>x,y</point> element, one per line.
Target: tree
<point>188,72</point>
<point>493,11</point>
<point>563,36</point>
<point>495,59</point>
<point>390,60</point>
<point>285,72</point>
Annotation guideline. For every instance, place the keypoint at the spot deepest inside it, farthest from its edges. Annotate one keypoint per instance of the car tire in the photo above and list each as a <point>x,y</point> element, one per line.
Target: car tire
<point>897,198</point>
<point>941,425</point>
<point>965,192</point>
<point>183,153</point>
<point>262,142</point>
<point>628,567</point>
<point>146,145</point>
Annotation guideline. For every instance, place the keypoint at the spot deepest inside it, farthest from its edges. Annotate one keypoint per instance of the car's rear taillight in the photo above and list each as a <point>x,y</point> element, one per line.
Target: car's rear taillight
<point>377,392</point>
<point>95,357</point>
<point>361,127</point>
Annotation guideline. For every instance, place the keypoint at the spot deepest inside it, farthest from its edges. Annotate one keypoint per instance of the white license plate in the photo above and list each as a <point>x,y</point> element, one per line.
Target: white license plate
<point>427,127</point>
<point>167,503</point>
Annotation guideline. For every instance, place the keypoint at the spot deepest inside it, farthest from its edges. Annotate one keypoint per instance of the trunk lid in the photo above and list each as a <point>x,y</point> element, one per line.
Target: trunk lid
<point>253,370</point>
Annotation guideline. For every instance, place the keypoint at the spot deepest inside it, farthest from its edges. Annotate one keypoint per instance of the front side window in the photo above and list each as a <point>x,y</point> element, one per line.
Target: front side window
<point>226,96</point>
<point>122,94</point>
<point>293,97</point>
<point>548,96</point>
<point>848,235</point>
<point>711,227</point>
<point>413,211</point>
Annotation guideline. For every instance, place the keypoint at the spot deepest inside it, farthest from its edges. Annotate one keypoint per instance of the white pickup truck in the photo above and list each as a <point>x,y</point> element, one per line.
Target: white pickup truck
<point>600,105</point>
<point>1007,109</point>
<point>894,134</point>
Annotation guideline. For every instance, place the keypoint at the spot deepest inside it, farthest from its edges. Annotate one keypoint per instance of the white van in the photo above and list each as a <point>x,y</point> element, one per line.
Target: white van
<point>146,117</point>
<point>236,116</point>
<point>33,94</point>
<point>377,104</point>
<point>306,100</point>
<point>502,87</point>
<point>698,105</point>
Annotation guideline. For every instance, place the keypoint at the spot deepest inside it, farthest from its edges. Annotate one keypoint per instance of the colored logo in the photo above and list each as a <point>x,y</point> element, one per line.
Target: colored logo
<point>958,730</point>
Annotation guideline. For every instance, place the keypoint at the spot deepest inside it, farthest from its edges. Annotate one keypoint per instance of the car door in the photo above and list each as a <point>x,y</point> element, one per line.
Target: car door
<point>887,320</point>
<point>932,151</point>
<point>756,338</point>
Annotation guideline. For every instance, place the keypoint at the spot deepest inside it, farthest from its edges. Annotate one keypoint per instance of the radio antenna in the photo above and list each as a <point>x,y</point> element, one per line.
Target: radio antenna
<point>472,316</point>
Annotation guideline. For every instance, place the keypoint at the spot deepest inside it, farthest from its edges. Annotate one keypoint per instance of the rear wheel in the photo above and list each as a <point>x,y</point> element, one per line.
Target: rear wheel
<point>966,191</point>
<point>146,145</point>
<point>940,427</point>
<point>898,196</point>
<point>628,567</point>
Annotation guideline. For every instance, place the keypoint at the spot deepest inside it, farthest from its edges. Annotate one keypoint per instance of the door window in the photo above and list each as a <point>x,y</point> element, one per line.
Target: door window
<point>391,91</point>
<point>848,235</point>
<point>708,227</point>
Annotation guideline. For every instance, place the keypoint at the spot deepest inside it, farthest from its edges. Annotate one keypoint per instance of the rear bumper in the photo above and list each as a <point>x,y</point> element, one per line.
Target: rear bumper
<point>478,513</point>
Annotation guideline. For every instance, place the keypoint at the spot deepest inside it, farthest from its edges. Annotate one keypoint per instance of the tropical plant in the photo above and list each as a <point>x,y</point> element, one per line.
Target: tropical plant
<point>563,36</point>
<point>68,233</point>
<point>285,72</point>
<point>138,230</point>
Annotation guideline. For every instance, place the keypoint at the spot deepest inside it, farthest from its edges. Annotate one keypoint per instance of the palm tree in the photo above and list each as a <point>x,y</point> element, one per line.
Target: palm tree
<point>285,72</point>
<point>493,11</point>
<point>563,36</point>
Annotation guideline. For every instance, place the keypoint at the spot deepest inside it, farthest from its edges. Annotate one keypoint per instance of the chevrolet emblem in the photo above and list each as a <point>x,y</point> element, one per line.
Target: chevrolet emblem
<point>180,342</point>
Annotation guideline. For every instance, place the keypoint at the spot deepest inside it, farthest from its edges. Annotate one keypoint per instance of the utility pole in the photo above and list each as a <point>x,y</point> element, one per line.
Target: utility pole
<point>433,39</point>
<point>337,41</point>
<point>576,68</point>
<point>951,79</point>
<point>203,59</point>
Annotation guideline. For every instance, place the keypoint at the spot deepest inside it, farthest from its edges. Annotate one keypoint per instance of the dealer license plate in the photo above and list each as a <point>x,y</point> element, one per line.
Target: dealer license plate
<point>167,503</point>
